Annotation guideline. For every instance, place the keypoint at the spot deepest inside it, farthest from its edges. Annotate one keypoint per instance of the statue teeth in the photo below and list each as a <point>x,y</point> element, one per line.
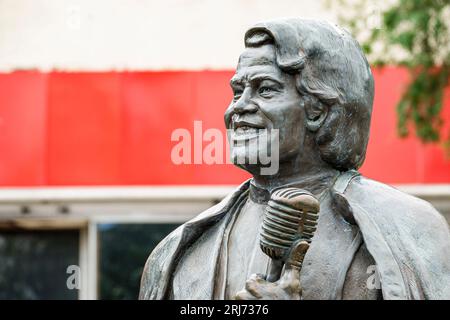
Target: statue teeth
<point>246,130</point>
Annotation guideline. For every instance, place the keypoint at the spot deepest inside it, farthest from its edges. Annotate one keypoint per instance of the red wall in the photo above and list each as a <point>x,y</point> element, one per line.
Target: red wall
<point>114,129</point>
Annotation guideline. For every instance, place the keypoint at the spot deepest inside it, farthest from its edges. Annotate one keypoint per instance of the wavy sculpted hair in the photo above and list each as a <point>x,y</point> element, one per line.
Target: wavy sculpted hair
<point>332,74</point>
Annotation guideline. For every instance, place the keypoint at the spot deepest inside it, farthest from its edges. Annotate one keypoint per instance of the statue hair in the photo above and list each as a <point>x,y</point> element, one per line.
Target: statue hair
<point>331,74</point>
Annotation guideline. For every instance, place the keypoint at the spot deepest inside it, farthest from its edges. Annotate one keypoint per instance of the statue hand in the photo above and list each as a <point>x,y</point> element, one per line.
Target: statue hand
<point>286,288</point>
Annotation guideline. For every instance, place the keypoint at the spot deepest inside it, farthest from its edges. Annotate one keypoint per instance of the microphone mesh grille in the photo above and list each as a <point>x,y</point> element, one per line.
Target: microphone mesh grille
<point>291,214</point>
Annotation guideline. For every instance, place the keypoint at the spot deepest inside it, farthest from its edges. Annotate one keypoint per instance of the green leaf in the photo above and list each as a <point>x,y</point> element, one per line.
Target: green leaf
<point>419,28</point>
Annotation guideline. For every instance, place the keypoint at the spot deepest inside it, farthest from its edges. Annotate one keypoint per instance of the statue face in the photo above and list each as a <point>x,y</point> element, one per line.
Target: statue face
<point>265,97</point>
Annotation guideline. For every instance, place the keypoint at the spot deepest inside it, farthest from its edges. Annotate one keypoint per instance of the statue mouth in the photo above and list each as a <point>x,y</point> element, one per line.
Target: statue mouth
<point>243,130</point>
<point>246,130</point>
<point>241,134</point>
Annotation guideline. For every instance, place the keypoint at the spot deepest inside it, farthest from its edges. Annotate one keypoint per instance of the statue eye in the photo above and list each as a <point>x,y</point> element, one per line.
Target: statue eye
<point>265,91</point>
<point>237,93</point>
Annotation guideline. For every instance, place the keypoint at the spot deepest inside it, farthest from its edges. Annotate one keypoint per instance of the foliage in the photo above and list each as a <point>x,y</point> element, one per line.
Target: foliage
<point>414,34</point>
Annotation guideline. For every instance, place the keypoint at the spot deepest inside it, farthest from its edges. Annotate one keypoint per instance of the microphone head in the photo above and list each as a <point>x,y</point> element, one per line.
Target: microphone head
<point>291,215</point>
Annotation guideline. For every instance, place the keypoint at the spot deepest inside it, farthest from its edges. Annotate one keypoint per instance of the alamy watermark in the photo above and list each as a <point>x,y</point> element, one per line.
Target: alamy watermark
<point>373,281</point>
<point>74,279</point>
<point>248,146</point>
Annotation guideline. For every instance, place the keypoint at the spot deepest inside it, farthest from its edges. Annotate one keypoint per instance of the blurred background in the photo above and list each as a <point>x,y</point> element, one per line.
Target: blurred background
<point>91,91</point>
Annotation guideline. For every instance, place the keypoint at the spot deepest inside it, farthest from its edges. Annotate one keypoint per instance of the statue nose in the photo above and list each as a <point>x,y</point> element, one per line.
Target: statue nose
<point>244,108</point>
<point>244,105</point>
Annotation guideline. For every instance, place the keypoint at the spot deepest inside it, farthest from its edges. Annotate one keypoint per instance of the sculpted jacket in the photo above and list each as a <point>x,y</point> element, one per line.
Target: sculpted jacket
<point>408,239</point>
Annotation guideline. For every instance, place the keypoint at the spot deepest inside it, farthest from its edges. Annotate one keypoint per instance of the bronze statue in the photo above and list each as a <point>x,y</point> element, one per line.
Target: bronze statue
<point>310,81</point>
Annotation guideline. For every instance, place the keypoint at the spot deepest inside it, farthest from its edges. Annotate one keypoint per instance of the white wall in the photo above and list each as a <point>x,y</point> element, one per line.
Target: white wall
<point>134,34</point>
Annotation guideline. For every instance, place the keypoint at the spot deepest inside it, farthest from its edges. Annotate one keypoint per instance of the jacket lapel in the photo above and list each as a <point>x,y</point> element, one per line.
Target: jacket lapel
<point>189,233</point>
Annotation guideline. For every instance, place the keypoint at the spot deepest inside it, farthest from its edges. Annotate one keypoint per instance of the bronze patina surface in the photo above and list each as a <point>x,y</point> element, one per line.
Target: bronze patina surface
<point>309,80</point>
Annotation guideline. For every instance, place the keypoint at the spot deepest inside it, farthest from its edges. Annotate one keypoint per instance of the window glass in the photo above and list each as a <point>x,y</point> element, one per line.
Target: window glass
<point>33,264</point>
<point>123,251</point>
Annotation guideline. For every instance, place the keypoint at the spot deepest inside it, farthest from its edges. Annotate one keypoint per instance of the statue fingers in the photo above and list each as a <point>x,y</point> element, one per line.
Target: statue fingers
<point>291,275</point>
<point>244,295</point>
<point>297,255</point>
<point>290,281</point>
<point>253,286</point>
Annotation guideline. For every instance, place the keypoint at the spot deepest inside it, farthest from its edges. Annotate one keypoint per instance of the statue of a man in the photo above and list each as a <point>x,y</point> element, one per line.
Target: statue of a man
<point>309,80</point>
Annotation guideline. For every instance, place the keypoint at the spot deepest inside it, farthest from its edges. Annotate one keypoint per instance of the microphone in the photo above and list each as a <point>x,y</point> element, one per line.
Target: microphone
<point>290,222</point>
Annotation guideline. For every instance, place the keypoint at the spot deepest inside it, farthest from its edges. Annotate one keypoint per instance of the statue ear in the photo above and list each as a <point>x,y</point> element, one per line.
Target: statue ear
<point>316,112</point>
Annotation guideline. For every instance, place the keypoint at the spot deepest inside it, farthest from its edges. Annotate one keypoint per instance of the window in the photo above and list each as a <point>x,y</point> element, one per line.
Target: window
<point>123,250</point>
<point>33,264</point>
<point>104,234</point>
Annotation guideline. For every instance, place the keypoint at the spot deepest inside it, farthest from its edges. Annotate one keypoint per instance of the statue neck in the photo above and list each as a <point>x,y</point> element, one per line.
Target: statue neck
<point>292,172</point>
<point>316,183</point>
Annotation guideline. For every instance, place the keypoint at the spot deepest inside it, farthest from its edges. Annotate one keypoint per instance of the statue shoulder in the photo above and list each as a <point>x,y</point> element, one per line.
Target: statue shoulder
<point>159,266</point>
<point>406,236</point>
<point>395,206</point>
<point>156,263</point>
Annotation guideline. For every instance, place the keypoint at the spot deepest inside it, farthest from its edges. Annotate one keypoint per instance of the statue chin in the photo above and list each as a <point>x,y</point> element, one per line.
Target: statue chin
<point>250,158</point>
<point>253,169</point>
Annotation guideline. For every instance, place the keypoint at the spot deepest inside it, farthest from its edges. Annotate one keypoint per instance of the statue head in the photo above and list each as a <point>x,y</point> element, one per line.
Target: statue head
<point>310,80</point>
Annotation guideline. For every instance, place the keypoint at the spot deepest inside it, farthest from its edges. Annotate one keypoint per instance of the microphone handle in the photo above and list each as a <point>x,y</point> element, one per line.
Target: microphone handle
<point>295,260</point>
<point>274,270</point>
